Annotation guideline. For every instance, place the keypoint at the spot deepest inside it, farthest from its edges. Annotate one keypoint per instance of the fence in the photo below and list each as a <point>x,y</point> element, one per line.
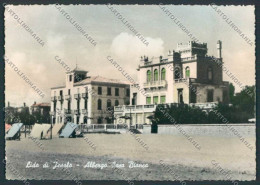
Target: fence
<point>106,127</point>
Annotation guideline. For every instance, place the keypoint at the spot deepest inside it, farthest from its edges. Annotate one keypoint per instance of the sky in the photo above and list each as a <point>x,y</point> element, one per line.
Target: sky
<point>113,38</point>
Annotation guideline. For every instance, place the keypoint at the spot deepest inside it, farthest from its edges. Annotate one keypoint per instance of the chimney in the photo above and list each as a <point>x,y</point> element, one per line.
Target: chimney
<point>24,104</point>
<point>35,103</point>
<point>219,48</point>
<point>8,104</point>
<point>160,58</point>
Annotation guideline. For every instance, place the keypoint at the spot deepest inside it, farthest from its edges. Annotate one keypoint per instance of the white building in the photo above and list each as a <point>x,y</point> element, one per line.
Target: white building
<point>186,75</point>
<point>85,99</point>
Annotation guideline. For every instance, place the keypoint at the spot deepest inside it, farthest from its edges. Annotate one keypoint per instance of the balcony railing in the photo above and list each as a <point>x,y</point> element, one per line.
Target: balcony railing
<point>84,95</point>
<point>135,108</point>
<point>54,98</point>
<point>60,98</point>
<point>68,97</point>
<point>180,80</point>
<point>76,112</point>
<point>189,58</point>
<point>154,84</point>
<point>67,111</point>
<point>76,96</point>
<point>84,111</point>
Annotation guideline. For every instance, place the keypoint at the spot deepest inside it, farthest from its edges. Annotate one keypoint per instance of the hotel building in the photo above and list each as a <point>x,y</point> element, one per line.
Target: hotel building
<point>85,99</point>
<point>187,75</point>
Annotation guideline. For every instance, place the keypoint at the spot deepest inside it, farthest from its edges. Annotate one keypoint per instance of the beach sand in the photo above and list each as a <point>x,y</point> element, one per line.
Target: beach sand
<point>182,161</point>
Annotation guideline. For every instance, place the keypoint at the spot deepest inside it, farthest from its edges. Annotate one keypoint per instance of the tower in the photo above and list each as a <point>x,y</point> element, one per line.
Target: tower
<point>219,48</point>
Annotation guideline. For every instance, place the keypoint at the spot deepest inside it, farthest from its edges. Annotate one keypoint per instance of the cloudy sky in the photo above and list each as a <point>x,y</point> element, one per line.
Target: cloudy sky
<point>113,38</point>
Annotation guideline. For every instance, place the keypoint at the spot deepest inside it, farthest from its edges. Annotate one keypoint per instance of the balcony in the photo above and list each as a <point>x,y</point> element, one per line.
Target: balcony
<point>76,112</point>
<point>60,98</point>
<point>84,95</point>
<point>54,98</point>
<point>76,96</point>
<point>67,111</point>
<point>84,111</point>
<point>68,97</point>
<point>189,58</point>
<point>135,108</point>
<point>155,84</point>
<point>180,80</point>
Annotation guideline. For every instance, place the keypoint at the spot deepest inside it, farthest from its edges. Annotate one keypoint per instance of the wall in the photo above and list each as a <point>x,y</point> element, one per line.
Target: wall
<point>217,130</point>
<point>146,129</point>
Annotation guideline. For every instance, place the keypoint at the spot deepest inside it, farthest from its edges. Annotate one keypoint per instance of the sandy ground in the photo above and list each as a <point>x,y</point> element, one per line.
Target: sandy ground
<point>182,160</point>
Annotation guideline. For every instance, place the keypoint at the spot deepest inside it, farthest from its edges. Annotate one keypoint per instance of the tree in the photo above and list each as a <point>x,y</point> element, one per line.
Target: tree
<point>245,100</point>
<point>231,91</point>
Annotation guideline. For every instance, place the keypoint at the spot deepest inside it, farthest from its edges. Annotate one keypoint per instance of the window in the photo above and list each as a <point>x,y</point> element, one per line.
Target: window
<point>163,98</point>
<point>163,73</point>
<point>134,98</point>
<point>78,104</point>
<point>148,100</point>
<point>127,92</point>
<point>109,103</point>
<point>187,72</point>
<point>193,95</point>
<point>85,120</point>
<point>99,120</point>
<point>177,74</point>
<point>116,103</point>
<point>116,91</point>
<point>68,91</point>
<point>155,75</point>
<point>225,96</point>
<point>210,73</point>
<point>86,104</point>
<point>100,90</point>
<point>54,106</point>
<point>70,78</point>
<point>108,90</point>
<point>61,92</point>
<point>99,104</point>
<point>148,76</point>
<point>210,95</point>
<point>68,105</point>
<point>155,99</point>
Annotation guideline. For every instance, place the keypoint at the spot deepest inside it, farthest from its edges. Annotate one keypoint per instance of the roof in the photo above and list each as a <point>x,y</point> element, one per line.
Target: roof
<point>101,79</point>
<point>41,105</point>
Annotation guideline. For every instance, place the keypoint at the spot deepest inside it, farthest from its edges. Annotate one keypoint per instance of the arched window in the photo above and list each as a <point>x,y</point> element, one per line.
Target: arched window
<point>116,103</point>
<point>148,76</point>
<point>163,73</point>
<point>109,103</point>
<point>210,73</point>
<point>187,72</point>
<point>177,73</point>
<point>155,75</point>
<point>99,104</point>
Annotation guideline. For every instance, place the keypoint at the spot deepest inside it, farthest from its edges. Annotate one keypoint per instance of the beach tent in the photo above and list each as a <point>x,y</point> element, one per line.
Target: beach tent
<point>40,130</point>
<point>57,128</point>
<point>46,129</point>
<point>69,130</point>
<point>7,127</point>
<point>13,132</point>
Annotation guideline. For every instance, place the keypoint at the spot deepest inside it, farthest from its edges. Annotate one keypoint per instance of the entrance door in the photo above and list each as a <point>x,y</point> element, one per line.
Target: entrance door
<point>180,96</point>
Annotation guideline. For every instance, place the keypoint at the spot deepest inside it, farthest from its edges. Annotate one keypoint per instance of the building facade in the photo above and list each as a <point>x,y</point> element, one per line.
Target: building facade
<point>85,100</point>
<point>42,110</point>
<point>187,75</point>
